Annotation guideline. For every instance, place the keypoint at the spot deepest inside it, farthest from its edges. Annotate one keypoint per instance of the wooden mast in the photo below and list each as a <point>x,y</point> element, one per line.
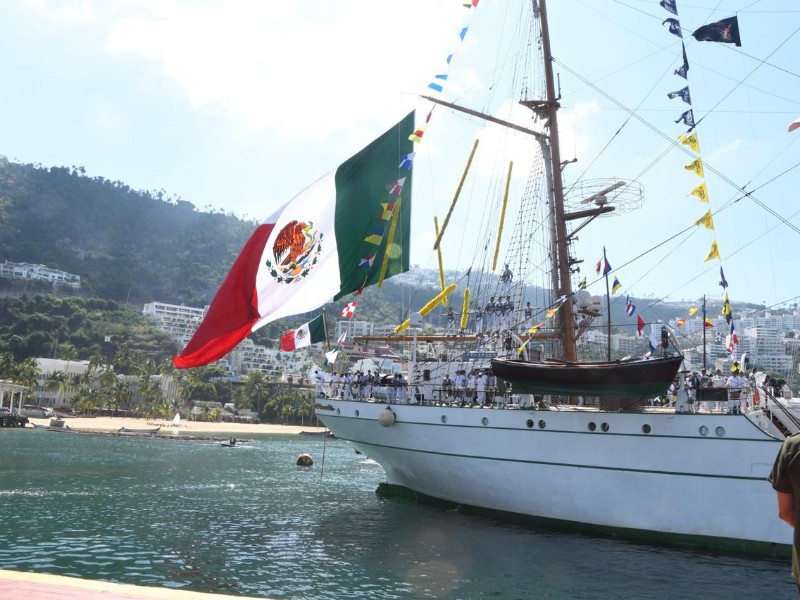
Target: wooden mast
<point>562,259</point>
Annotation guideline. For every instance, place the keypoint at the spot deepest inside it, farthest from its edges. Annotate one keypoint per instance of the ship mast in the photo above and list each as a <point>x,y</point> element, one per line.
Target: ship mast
<point>561,260</point>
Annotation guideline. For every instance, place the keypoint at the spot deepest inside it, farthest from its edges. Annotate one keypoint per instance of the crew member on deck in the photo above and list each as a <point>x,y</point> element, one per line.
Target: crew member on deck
<point>488,315</point>
<point>507,277</point>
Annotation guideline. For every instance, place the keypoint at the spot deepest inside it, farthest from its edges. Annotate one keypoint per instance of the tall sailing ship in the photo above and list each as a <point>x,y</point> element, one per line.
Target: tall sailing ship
<point>570,444</point>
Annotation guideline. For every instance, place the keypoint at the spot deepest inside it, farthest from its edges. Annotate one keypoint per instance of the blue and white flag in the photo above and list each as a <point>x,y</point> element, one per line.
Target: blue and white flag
<point>654,340</point>
<point>435,85</point>
<point>630,308</point>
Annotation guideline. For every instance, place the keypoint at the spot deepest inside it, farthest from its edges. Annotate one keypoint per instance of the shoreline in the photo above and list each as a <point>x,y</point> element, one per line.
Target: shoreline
<point>113,424</point>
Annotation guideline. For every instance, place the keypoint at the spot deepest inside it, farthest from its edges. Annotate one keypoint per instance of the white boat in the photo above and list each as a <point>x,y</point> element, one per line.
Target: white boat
<point>140,431</point>
<point>665,474</point>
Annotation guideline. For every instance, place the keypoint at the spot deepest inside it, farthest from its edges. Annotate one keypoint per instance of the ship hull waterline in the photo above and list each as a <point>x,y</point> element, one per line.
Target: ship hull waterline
<point>696,480</point>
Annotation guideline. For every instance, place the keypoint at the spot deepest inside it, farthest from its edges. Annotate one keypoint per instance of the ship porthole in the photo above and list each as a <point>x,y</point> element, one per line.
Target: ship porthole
<point>443,419</point>
<point>357,413</point>
<point>604,427</point>
<point>592,425</point>
<point>542,424</point>
<point>529,423</point>
<point>485,421</point>
<point>703,430</point>
<point>646,428</point>
<point>720,431</point>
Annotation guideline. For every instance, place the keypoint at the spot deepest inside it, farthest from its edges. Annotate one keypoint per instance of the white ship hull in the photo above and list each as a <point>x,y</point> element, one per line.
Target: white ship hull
<point>697,479</point>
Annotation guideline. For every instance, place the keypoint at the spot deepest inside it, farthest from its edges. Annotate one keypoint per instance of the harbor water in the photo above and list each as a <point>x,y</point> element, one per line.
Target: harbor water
<point>247,521</point>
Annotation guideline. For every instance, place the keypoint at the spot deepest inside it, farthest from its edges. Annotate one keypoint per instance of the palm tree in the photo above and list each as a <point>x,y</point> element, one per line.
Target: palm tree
<point>27,373</point>
<point>95,362</point>
<point>7,365</point>
<point>254,391</point>
<point>57,381</point>
<point>122,360</point>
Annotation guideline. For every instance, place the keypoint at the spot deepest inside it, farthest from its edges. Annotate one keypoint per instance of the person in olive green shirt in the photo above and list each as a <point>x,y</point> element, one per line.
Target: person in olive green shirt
<point>785,480</point>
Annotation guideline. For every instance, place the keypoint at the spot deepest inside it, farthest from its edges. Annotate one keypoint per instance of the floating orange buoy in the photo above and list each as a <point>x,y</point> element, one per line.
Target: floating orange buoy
<point>305,460</point>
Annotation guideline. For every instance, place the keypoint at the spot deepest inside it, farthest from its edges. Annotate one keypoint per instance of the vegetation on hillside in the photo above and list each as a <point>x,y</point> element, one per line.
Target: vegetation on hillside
<point>43,325</point>
<point>126,245</point>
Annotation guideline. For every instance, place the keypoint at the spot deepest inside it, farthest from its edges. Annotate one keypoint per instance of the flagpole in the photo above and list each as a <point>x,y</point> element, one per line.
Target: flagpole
<point>325,329</point>
<point>704,331</point>
<point>608,305</point>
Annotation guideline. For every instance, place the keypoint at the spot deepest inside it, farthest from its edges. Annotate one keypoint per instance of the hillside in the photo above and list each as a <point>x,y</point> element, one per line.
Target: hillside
<point>126,245</point>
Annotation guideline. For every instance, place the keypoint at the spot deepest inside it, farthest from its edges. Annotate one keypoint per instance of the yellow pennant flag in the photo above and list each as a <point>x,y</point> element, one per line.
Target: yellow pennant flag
<point>706,220</point>
<point>696,165</point>
<point>465,309</point>
<point>693,310</point>
<point>691,141</point>
<point>701,192</point>
<point>551,312</point>
<point>713,253</point>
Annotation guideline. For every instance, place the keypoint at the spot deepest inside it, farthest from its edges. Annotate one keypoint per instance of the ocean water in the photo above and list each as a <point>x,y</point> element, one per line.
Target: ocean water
<point>247,521</point>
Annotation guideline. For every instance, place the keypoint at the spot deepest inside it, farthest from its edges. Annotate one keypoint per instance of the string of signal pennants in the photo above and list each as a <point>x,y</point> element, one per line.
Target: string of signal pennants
<point>724,31</point>
<point>437,85</point>
<point>388,213</point>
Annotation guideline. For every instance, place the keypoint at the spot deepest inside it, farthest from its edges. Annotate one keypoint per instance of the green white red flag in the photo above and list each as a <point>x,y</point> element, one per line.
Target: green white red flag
<point>308,252</point>
<point>309,333</point>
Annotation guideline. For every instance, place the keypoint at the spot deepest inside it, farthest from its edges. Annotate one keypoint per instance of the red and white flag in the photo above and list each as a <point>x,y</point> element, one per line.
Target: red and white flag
<point>640,326</point>
<point>342,339</point>
<point>307,253</point>
<point>349,310</point>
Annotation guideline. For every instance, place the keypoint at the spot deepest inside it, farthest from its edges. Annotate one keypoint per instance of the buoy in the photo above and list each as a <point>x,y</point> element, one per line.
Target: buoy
<point>305,460</point>
<point>386,417</point>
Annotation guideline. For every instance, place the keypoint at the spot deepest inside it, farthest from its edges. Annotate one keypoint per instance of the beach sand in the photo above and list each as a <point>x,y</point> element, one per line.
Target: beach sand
<point>191,427</point>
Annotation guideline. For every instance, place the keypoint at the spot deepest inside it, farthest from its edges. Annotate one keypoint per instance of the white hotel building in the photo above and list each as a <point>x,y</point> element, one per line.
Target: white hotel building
<point>14,270</point>
<point>180,323</point>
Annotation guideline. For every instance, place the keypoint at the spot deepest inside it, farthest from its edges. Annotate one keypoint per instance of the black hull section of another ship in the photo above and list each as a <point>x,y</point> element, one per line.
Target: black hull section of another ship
<point>623,385</point>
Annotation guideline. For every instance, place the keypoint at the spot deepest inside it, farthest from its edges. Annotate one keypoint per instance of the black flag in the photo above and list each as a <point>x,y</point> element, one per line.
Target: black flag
<point>682,94</point>
<point>669,5</point>
<point>684,68</point>
<point>674,27</point>
<point>688,119</point>
<point>726,31</point>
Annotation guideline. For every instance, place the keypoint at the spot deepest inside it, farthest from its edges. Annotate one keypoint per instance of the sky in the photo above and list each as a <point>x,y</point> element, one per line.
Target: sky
<point>238,105</point>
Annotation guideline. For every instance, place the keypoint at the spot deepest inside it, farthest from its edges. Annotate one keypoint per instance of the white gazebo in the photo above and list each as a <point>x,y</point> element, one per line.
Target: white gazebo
<point>9,389</point>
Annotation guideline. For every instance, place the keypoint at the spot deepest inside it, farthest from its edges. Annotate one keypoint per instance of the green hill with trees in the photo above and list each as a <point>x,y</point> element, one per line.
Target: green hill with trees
<point>127,245</point>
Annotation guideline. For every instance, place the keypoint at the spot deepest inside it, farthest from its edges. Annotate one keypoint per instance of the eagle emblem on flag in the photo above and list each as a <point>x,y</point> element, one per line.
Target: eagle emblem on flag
<point>295,251</point>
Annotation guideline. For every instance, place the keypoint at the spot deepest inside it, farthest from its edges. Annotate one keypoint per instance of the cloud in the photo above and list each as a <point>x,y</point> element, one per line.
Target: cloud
<point>66,12</point>
<point>296,68</point>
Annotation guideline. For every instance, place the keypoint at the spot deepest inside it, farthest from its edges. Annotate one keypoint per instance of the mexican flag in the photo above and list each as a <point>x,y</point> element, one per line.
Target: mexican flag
<point>312,250</point>
<point>310,333</point>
